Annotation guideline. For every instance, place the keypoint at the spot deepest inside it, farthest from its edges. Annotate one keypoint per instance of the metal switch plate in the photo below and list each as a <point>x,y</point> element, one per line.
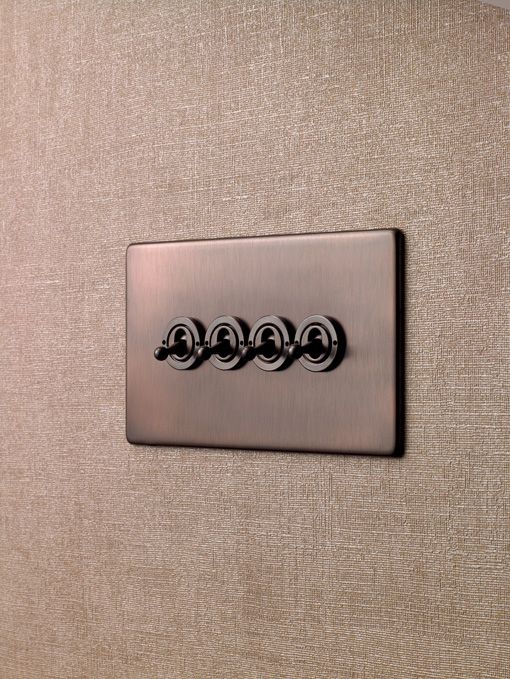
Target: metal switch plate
<point>353,277</point>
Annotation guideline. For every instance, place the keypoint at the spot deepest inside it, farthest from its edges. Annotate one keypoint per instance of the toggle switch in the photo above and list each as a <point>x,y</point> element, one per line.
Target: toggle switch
<point>319,343</point>
<point>224,343</point>
<point>180,344</point>
<point>268,343</point>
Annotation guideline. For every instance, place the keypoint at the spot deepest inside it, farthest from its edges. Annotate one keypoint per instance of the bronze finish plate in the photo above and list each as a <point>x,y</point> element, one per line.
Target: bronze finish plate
<point>354,277</point>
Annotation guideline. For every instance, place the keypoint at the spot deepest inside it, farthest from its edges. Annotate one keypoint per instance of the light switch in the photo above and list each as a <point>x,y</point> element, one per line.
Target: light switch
<point>281,343</point>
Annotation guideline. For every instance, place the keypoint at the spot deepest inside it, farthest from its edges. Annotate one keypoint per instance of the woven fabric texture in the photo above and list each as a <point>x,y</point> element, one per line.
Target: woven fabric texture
<point>126,121</point>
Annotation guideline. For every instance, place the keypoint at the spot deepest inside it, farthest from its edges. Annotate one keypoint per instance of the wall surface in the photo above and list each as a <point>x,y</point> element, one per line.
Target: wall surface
<point>126,121</point>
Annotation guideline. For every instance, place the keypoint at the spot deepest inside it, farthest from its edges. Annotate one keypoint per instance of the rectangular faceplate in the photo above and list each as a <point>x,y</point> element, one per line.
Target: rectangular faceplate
<point>351,277</point>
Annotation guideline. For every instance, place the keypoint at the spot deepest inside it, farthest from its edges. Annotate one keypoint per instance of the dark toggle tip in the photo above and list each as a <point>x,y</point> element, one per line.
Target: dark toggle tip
<point>295,351</point>
<point>161,353</point>
<point>248,353</point>
<point>204,353</point>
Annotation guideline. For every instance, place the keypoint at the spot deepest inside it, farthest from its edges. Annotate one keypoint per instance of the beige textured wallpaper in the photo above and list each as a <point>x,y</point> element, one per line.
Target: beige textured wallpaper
<point>124,121</point>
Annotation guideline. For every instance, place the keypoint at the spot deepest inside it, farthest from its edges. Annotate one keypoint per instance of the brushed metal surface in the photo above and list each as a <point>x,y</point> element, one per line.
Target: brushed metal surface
<point>354,277</point>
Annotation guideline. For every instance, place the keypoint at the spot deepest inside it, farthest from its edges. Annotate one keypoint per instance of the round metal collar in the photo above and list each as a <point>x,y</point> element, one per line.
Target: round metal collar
<point>227,331</point>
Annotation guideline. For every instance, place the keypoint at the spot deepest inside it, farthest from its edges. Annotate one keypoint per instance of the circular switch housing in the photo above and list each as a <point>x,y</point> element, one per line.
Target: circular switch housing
<point>186,332</point>
<point>329,338</point>
<point>270,338</point>
<point>228,332</point>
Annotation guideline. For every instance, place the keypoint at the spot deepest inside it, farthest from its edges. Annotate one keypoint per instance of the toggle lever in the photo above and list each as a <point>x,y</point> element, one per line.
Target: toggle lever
<point>206,351</point>
<point>265,347</point>
<point>296,350</point>
<point>162,353</point>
